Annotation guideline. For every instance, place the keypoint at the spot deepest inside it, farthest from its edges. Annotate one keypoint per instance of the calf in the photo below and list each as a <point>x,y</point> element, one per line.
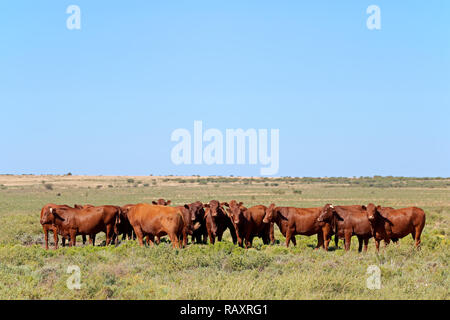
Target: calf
<point>293,221</point>
<point>393,224</point>
<point>155,220</point>
<point>347,221</point>
<point>249,223</point>
<point>87,221</point>
<point>217,222</point>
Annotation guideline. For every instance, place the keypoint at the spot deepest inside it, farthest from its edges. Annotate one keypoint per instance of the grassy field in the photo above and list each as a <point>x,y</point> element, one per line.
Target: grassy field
<point>221,271</point>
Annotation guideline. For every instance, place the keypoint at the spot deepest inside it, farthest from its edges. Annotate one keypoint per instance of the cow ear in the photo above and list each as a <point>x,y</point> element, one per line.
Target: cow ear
<point>338,216</point>
<point>364,207</point>
<point>240,204</point>
<point>206,205</point>
<point>57,216</point>
<point>225,204</point>
<point>168,202</point>
<point>154,202</point>
<point>186,206</point>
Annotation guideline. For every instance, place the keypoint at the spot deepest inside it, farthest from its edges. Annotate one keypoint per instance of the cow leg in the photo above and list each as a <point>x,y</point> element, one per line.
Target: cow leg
<point>211,237</point>
<point>233,233</point>
<point>366,243</point>
<point>336,241</point>
<point>377,244</point>
<point>46,237</point>
<point>250,242</point>
<point>319,240</point>
<point>272,234</point>
<point>151,240</point>
<point>248,239</point>
<point>348,240</point>
<point>158,240</point>
<point>294,241</point>
<point>140,236</point>
<point>360,244</point>
<point>84,239</point>
<point>185,238</point>
<point>174,239</point>
<point>55,237</point>
<point>92,239</point>
<point>73,238</point>
<point>205,237</point>
<point>326,240</point>
<point>288,236</point>
<point>114,238</point>
<point>416,236</point>
<point>220,232</point>
<point>265,239</point>
<point>109,234</point>
<point>63,241</point>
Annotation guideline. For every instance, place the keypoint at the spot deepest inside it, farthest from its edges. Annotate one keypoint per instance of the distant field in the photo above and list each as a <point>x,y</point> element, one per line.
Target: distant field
<point>221,271</point>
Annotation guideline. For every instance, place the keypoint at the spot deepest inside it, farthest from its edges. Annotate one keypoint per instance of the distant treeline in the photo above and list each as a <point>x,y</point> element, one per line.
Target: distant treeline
<point>376,181</point>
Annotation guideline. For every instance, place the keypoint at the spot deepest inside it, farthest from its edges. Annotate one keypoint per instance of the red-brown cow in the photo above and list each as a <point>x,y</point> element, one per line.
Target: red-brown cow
<point>197,211</point>
<point>47,226</point>
<point>293,221</point>
<point>393,224</point>
<point>89,221</point>
<point>249,223</point>
<point>155,220</point>
<point>217,222</point>
<point>347,221</point>
<point>123,226</point>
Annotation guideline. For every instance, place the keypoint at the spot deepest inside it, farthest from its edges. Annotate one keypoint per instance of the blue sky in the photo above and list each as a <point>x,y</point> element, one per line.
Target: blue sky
<point>105,99</point>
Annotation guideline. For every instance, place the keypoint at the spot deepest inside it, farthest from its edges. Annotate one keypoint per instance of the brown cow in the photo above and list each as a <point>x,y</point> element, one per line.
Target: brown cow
<point>393,224</point>
<point>123,225</point>
<point>47,226</point>
<point>198,212</point>
<point>293,221</point>
<point>217,222</point>
<point>347,221</point>
<point>249,222</point>
<point>156,220</point>
<point>87,221</point>
<point>162,202</point>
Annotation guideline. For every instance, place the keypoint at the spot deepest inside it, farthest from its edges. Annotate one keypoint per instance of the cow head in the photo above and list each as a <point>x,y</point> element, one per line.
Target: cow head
<point>373,212</point>
<point>162,202</point>
<point>215,210</point>
<point>51,214</point>
<point>189,218</point>
<point>327,213</point>
<point>235,210</point>
<point>197,212</point>
<point>268,216</point>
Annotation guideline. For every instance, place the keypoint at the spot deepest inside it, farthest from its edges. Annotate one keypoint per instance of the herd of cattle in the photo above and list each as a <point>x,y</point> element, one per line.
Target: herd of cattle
<point>149,222</point>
